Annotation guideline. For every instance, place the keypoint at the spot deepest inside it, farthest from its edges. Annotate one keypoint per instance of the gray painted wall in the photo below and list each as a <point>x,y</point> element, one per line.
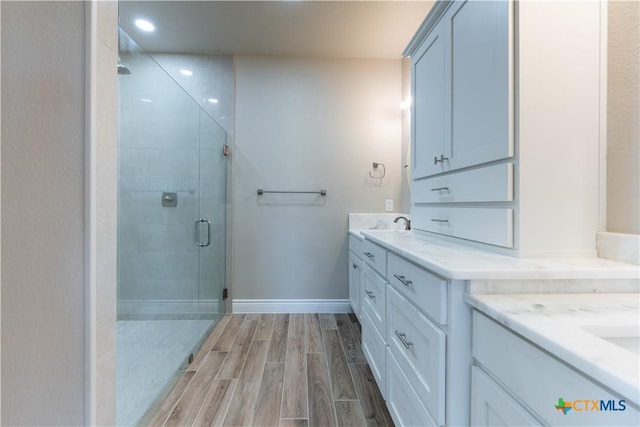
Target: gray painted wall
<point>43,324</point>
<point>307,124</point>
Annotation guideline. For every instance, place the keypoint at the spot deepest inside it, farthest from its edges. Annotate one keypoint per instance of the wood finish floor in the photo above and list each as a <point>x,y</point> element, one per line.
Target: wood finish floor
<point>277,370</point>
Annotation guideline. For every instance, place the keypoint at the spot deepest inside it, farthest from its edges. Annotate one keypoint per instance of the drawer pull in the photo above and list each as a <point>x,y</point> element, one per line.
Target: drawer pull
<point>403,280</point>
<point>441,189</point>
<point>403,339</point>
<point>355,267</point>
<point>442,221</point>
<point>370,294</point>
<point>369,255</point>
<point>440,160</point>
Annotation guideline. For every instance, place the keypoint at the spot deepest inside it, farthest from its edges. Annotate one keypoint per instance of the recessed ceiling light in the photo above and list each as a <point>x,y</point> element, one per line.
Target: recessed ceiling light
<point>147,100</point>
<point>186,72</point>
<point>145,25</point>
<point>212,100</point>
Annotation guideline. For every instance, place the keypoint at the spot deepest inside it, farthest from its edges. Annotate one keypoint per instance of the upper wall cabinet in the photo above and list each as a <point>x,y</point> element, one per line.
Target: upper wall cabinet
<point>508,120</point>
<point>462,87</point>
<point>481,85</point>
<point>429,80</point>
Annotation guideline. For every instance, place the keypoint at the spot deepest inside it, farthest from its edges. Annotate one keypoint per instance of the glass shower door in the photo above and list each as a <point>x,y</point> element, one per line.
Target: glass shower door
<point>171,231</point>
<point>210,226</point>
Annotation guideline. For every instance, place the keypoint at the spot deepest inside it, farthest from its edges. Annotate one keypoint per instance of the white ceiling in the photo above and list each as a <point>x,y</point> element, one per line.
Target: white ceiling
<point>340,29</point>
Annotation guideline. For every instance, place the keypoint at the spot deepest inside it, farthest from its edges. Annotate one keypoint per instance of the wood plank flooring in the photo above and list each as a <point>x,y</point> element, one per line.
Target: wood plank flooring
<point>277,370</point>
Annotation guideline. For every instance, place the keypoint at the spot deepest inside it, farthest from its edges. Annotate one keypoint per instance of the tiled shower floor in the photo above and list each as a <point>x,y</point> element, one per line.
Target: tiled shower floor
<point>149,354</point>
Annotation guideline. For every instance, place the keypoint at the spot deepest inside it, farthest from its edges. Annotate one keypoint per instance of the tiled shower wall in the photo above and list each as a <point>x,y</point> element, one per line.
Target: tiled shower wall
<point>167,143</point>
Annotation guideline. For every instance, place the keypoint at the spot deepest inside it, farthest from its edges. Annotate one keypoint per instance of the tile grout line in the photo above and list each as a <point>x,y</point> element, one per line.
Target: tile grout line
<point>228,405</point>
<point>200,367</point>
<point>285,370</point>
<point>326,359</point>
<point>218,373</point>
<point>286,356</point>
<point>166,417</point>
<point>345,358</point>
<point>244,361</point>
<point>264,368</point>
<point>194,375</point>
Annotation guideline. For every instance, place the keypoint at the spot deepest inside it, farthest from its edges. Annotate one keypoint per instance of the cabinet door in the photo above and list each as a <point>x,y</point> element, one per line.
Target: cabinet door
<point>481,82</point>
<point>355,277</point>
<point>428,118</point>
<point>405,407</point>
<point>491,405</point>
<point>373,300</point>
<point>374,349</point>
<point>419,348</point>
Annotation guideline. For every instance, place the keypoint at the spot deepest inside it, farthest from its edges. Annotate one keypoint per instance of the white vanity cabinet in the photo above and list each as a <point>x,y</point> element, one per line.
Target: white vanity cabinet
<point>373,310</point>
<point>416,338</point>
<point>355,282</point>
<point>528,190</point>
<point>515,382</point>
<point>355,273</point>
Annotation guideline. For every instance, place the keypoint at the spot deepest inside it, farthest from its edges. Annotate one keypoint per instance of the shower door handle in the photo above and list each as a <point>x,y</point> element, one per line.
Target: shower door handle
<point>197,232</point>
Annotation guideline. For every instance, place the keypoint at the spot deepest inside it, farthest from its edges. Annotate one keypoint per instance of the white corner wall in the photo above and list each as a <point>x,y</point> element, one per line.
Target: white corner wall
<point>101,202</point>
<point>308,124</point>
<point>43,134</point>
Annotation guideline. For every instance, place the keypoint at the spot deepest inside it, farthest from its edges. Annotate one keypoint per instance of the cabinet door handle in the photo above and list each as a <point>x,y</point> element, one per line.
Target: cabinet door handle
<point>369,255</point>
<point>403,280</point>
<point>355,267</point>
<point>370,294</point>
<point>442,221</point>
<point>403,339</point>
<point>440,160</point>
<point>441,189</point>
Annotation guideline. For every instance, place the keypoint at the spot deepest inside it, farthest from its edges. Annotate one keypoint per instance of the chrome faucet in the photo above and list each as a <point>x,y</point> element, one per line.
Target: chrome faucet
<point>407,222</point>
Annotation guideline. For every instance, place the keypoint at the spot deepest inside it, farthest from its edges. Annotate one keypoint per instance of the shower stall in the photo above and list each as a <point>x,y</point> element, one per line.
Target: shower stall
<point>171,230</point>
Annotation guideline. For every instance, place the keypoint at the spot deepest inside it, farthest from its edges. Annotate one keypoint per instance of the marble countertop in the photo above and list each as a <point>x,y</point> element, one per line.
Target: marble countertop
<point>455,261</point>
<point>357,234</point>
<point>359,222</point>
<point>559,323</point>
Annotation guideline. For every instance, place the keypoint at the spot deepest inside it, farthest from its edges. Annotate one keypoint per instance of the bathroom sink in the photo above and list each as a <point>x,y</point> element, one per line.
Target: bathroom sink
<point>625,335</point>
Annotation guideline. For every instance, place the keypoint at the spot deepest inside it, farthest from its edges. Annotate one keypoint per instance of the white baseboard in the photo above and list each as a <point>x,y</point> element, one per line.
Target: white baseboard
<point>159,307</point>
<point>291,306</point>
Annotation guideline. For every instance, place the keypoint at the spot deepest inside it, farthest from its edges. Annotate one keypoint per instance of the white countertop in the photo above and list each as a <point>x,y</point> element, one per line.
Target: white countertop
<point>455,261</point>
<point>555,323</point>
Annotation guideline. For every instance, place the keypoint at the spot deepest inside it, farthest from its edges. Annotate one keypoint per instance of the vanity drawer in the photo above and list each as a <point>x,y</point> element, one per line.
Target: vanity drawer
<point>375,256</point>
<point>427,291</point>
<point>403,402</point>
<point>539,379</point>
<point>373,298</point>
<point>419,347</point>
<point>493,226</point>
<point>355,245</point>
<point>491,405</point>
<point>487,184</point>
<point>374,349</point>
